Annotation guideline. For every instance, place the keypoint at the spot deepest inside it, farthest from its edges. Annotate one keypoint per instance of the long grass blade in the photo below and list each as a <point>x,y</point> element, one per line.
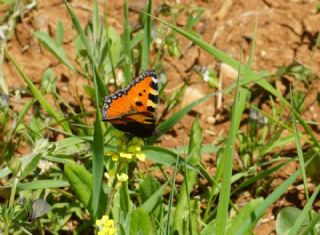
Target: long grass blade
<point>126,44</point>
<point>193,158</point>
<point>98,157</point>
<point>221,56</point>
<point>304,214</point>
<point>38,95</point>
<point>146,38</point>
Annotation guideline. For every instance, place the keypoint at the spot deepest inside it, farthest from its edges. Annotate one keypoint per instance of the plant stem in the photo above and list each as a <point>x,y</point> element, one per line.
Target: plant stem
<point>113,190</point>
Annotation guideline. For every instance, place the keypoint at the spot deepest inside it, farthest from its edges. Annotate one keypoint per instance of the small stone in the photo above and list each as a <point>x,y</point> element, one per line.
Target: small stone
<point>211,120</point>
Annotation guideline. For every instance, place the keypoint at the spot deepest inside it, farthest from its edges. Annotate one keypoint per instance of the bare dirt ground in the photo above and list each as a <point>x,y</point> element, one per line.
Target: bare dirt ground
<point>286,32</point>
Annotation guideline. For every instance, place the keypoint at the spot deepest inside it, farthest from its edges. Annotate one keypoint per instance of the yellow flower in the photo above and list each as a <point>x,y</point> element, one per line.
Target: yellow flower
<point>115,157</point>
<point>141,156</point>
<point>106,226</point>
<point>126,155</point>
<point>134,148</point>
<point>127,149</point>
<point>122,177</point>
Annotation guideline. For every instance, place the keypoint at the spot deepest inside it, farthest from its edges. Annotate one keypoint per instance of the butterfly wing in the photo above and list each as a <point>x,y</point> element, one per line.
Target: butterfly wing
<point>133,109</point>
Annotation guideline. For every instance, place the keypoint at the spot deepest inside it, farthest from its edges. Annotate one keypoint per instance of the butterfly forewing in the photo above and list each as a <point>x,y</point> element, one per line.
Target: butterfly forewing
<point>133,109</point>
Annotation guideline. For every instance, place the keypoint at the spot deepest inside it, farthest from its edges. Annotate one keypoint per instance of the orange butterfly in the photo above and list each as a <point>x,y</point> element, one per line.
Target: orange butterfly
<point>133,109</point>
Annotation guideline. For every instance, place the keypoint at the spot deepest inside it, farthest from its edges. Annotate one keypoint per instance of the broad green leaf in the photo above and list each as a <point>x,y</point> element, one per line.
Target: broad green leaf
<point>81,182</point>
<point>148,187</point>
<point>140,223</point>
<point>286,219</point>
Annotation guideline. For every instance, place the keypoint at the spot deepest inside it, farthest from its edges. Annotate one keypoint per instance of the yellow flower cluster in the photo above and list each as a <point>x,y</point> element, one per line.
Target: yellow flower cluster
<point>106,226</point>
<point>121,178</point>
<point>127,149</point>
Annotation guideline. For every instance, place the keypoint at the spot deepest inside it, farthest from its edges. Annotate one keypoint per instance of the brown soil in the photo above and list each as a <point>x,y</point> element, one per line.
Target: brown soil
<point>286,32</point>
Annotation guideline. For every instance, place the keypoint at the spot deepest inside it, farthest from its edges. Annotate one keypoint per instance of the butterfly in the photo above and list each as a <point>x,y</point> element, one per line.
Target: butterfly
<point>133,109</point>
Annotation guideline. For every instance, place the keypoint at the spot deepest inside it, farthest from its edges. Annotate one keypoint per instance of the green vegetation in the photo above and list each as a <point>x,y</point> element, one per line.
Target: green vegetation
<point>81,180</point>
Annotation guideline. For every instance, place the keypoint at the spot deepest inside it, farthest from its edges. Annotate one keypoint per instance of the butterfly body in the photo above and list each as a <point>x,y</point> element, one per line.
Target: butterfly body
<point>133,109</point>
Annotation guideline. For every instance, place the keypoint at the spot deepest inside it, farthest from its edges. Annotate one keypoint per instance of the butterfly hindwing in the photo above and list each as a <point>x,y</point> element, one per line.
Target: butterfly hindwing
<point>133,109</point>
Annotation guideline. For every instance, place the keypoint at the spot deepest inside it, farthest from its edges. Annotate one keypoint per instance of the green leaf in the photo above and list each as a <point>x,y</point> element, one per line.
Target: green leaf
<point>55,49</point>
<point>89,50</point>
<point>140,223</point>
<point>146,38</point>
<point>250,222</point>
<point>243,214</point>
<point>183,211</point>
<point>81,182</point>
<point>171,121</point>
<point>286,218</point>
<point>126,44</point>
<point>98,166</point>
<point>31,161</point>
<point>153,200</point>
<point>304,215</point>
<point>59,34</point>
<point>165,157</point>
<point>115,47</point>
<point>42,184</point>
<point>38,95</point>
<point>148,187</point>
<point>228,153</point>
<point>221,56</point>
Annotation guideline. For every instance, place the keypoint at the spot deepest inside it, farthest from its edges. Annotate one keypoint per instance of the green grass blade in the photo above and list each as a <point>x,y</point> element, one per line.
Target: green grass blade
<point>170,122</point>
<point>146,38</point>
<point>168,222</point>
<point>193,158</point>
<point>311,226</point>
<point>221,56</point>
<point>140,223</point>
<point>261,175</point>
<point>227,162</point>
<point>38,95</point>
<point>304,214</point>
<point>98,157</point>
<point>249,223</point>
<point>299,150</point>
<point>77,25</point>
<point>244,213</point>
<point>165,157</point>
<point>153,201</point>
<point>126,44</point>
<point>50,44</point>
<point>89,49</point>
<point>42,184</point>
<point>59,32</point>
